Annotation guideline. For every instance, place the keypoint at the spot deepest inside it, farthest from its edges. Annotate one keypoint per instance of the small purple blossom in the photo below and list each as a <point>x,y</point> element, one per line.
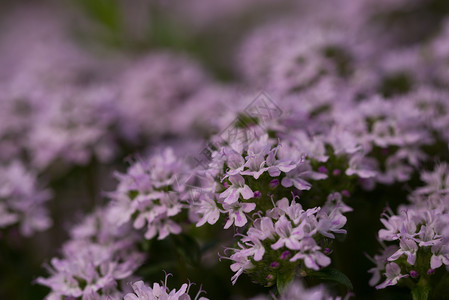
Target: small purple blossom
<point>237,213</point>
<point>323,169</point>
<point>237,188</point>
<point>393,274</point>
<point>274,183</point>
<point>414,274</point>
<point>336,172</point>
<point>286,254</point>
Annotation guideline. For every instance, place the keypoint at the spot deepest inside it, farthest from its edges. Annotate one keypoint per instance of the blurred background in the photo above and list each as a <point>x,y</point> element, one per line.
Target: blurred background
<point>86,84</point>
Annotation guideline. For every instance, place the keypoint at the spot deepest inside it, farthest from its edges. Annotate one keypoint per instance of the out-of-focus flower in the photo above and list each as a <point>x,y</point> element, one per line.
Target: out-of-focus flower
<point>74,127</point>
<point>151,193</point>
<point>22,201</point>
<point>99,256</point>
<point>154,87</point>
<point>418,234</point>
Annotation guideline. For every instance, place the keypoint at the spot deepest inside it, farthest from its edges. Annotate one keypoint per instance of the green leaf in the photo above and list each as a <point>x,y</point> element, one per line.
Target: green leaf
<point>187,248</point>
<point>332,275</point>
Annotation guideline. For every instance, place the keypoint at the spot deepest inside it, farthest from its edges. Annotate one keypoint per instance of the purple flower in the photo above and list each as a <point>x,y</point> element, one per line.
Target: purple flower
<point>436,181</point>
<point>97,258</point>
<point>262,229</point>
<point>331,223</point>
<point>254,247</point>
<point>440,256</point>
<point>323,169</point>
<point>151,193</point>
<point>310,254</point>
<point>22,201</point>
<point>296,291</point>
<point>297,176</point>
<point>409,248</point>
<point>143,292</point>
<point>276,166</point>
<point>149,102</point>
<point>393,274</point>
<point>238,187</point>
<point>237,213</point>
<point>288,237</point>
<point>255,160</point>
<point>380,261</point>
<point>286,254</point>
<point>234,160</point>
<point>207,208</point>
<point>241,263</point>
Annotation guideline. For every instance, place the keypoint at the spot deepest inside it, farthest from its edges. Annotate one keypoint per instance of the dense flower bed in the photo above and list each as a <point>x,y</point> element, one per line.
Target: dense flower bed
<point>262,149</point>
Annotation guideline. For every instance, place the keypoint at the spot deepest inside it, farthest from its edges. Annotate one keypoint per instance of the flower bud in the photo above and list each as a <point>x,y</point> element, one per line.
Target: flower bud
<point>414,273</point>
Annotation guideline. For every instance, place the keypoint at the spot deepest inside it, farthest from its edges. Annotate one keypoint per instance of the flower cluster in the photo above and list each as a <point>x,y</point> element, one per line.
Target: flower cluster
<point>97,262</point>
<point>147,97</point>
<point>144,292</point>
<point>248,176</point>
<point>22,200</point>
<point>290,61</point>
<point>418,234</point>
<point>74,127</point>
<point>289,236</point>
<point>353,112</point>
<point>251,167</point>
<point>150,195</point>
<point>297,291</point>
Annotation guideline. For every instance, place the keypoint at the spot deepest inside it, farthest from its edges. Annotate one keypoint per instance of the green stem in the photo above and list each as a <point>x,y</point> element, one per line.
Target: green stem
<point>421,290</point>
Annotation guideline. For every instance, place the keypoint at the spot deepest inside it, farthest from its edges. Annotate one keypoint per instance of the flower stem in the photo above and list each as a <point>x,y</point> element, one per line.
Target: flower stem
<point>421,290</point>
